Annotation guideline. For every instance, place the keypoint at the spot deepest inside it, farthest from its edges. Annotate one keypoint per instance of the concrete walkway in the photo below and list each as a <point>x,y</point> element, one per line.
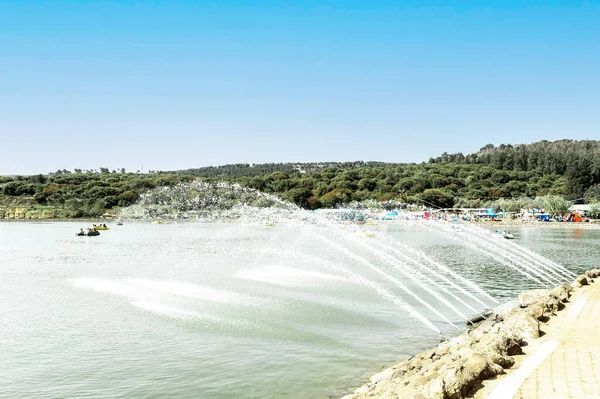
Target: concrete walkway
<point>566,363</point>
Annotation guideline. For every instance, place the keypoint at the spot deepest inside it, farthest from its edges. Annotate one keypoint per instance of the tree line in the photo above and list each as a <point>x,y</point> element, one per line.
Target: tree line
<point>566,168</point>
<point>80,194</point>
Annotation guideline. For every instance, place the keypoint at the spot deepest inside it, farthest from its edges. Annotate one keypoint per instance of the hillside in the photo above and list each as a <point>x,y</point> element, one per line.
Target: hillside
<point>577,161</point>
<point>566,168</point>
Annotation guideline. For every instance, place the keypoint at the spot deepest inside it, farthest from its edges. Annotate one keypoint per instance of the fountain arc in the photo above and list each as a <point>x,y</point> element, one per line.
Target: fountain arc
<point>532,256</point>
<point>501,261</point>
<point>536,269</point>
<point>444,279</point>
<point>452,273</point>
<point>416,276</point>
<point>387,276</point>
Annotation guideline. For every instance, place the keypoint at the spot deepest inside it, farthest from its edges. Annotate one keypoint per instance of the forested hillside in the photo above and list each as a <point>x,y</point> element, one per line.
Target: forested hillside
<point>577,161</point>
<point>245,169</point>
<point>566,168</point>
<point>84,194</point>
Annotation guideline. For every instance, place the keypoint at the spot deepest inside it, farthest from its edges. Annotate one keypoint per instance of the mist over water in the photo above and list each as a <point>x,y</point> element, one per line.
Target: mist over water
<point>214,309</point>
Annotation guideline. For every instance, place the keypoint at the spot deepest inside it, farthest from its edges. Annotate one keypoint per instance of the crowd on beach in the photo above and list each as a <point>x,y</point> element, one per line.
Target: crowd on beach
<point>512,218</point>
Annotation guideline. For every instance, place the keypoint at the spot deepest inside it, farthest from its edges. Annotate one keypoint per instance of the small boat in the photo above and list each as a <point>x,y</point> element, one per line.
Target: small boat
<point>101,228</point>
<point>89,233</point>
<point>504,234</point>
<point>270,224</point>
<point>119,223</point>
<point>157,222</point>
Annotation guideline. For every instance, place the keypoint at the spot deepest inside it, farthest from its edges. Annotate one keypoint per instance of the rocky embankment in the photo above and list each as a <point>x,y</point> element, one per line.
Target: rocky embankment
<point>455,368</point>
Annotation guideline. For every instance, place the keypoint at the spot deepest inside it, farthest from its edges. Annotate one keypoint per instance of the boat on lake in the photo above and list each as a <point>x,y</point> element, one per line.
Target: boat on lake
<point>88,233</point>
<point>504,234</point>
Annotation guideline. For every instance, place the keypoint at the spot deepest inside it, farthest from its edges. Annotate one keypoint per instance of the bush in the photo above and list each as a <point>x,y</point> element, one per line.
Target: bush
<point>594,211</point>
<point>592,195</point>
<point>16,189</point>
<point>127,198</point>
<point>555,204</point>
<point>335,197</point>
<point>437,198</point>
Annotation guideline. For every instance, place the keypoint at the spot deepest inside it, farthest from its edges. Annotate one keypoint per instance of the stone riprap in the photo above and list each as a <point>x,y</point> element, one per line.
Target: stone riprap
<point>455,368</point>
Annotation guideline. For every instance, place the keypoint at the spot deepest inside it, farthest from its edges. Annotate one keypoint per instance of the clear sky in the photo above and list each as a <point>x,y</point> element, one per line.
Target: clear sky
<point>181,84</point>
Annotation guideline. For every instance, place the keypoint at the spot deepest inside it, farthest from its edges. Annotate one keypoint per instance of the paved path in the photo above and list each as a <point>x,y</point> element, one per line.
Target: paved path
<point>567,364</point>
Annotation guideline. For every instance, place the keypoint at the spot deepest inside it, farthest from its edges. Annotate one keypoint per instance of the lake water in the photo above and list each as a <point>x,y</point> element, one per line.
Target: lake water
<point>233,310</point>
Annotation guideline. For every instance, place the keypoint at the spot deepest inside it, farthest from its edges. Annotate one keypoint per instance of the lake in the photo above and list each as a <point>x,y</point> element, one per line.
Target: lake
<point>240,310</point>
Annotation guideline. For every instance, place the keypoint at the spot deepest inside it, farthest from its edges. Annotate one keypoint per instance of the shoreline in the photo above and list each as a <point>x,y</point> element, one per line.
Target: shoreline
<point>546,225</point>
<point>550,225</point>
<point>464,366</point>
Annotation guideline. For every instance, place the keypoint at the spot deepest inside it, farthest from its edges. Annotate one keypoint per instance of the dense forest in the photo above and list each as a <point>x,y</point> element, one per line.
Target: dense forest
<point>566,168</point>
<point>65,194</point>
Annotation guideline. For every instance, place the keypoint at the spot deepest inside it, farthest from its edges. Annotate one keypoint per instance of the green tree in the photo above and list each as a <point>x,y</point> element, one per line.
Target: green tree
<point>127,198</point>
<point>594,211</point>
<point>336,197</point>
<point>592,194</point>
<point>298,196</point>
<point>437,198</point>
<point>367,184</point>
<point>555,204</point>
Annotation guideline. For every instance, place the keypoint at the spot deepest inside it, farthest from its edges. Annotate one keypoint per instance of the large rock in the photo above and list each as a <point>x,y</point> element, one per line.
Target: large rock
<point>553,304</point>
<point>454,368</point>
<point>458,382</point>
<point>435,390</point>
<point>499,348</point>
<point>532,296</point>
<point>540,311</point>
<point>542,304</point>
<point>383,375</point>
<point>562,292</point>
<point>489,326</point>
<point>583,280</point>
<point>455,342</point>
<point>522,326</point>
<point>593,273</point>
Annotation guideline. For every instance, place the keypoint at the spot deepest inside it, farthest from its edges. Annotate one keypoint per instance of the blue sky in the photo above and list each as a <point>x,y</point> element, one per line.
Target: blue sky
<point>181,84</point>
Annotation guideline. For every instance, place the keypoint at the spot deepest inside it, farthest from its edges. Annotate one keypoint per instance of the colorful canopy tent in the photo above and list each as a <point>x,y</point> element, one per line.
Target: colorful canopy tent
<point>544,217</point>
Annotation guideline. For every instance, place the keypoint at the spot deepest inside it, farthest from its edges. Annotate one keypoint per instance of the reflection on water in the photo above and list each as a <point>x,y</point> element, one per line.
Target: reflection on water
<point>242,310</point>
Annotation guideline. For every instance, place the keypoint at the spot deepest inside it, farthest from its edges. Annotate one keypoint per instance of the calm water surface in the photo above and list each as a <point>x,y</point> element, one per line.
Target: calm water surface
<point>228,310</point>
